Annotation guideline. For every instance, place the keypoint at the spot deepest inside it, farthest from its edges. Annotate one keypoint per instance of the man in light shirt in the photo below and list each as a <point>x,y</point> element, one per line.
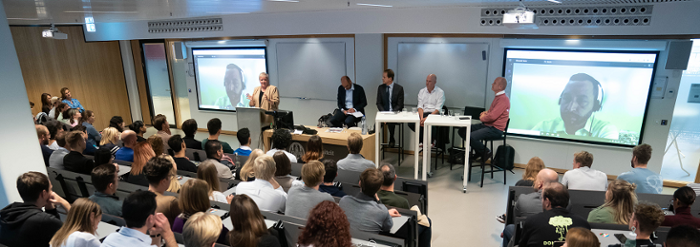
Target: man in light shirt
<point>430,100</point>
<point>582,177</point>
<point>264,190</point>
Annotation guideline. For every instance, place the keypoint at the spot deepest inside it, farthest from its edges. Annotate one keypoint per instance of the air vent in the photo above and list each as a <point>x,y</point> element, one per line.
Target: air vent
<point>187,25</point>
<point>630,15</point>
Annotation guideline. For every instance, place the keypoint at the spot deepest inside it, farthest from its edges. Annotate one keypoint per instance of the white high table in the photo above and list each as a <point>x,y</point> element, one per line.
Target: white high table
<point>437,120</point>
<point>398,117</point>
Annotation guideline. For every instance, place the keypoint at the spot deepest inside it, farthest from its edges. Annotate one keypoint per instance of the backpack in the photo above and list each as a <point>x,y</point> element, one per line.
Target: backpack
<point>505,157</point>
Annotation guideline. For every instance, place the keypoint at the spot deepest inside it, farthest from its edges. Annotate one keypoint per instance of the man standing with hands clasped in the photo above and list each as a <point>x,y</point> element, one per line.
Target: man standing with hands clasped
<point>493,121</point>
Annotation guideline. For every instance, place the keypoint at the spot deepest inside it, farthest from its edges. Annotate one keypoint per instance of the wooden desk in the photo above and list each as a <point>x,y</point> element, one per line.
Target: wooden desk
<point>335,144</point>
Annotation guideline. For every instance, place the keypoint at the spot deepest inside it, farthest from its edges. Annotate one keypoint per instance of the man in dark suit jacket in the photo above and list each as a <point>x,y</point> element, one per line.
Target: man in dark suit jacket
<point>349,105</point>
<point>390,98</point>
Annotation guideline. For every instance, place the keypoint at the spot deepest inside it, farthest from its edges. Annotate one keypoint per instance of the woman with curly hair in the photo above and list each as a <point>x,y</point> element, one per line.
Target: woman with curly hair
<point>281,140</point>
<point>533,167</point>
<point>645,219</point>
<point>314,149</point>
<point>156,143</point>
<point>327,226</point>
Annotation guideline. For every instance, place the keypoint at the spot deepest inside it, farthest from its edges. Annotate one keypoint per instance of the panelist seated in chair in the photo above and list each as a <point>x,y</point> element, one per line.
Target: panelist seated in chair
<point>351,99</point>
<point>430,100</point>
<point>493,121</point>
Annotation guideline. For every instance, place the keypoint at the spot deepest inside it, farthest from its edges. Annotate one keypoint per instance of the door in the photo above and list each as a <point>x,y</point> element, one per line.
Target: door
<point>160,95</point>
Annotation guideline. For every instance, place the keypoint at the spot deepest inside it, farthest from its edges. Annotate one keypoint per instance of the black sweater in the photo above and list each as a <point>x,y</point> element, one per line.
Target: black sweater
<point>24,224</point>
<point>76,162</point>
<point>552,225</point>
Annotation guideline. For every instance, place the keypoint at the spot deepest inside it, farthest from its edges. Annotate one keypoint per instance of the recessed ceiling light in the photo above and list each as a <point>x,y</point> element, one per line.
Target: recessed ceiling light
<point>288,1</point>
<point>554,1</point>
<point>374,5</point>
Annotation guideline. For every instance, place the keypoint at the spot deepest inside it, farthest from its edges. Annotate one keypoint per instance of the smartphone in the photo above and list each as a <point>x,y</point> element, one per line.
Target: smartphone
<point>621,237</point>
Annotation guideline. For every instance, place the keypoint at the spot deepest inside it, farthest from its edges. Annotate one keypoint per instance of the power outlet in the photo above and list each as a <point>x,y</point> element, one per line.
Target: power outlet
<point>664,122</point>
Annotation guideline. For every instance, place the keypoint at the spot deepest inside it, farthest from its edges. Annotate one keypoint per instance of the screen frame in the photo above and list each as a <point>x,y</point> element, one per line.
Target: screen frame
<point>646,107</point>
<point>196,70</point>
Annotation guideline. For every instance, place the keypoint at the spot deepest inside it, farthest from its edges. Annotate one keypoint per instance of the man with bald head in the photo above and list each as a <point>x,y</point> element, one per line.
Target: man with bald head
<point>430,100</point>
<point>351,99</point>
<point>43,133</point>
<point>493,121</point>
<point>530,204</point>
<point>126,153</point>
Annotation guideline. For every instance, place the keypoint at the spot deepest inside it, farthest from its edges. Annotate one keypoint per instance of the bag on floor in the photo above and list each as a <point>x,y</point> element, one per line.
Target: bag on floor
<point>456,156</point>
<point>505,156</point>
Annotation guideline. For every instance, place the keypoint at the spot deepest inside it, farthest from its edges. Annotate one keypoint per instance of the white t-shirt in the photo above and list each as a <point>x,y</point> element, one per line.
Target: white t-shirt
<point>218,196</point>
<point>81,239</point>
<point>265,196</point>
<point>585,178</point>
<point>291,157</point>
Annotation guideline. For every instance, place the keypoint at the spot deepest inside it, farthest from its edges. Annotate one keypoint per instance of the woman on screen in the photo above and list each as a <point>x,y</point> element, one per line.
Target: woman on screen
<point>265,97</point>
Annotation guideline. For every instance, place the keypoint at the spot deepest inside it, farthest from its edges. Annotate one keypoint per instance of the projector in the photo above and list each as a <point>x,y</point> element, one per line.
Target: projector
<point>53,33</point>
<point>520,18</point>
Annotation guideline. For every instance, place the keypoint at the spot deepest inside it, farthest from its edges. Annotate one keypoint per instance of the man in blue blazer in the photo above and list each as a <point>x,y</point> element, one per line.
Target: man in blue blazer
<point>351,99</point>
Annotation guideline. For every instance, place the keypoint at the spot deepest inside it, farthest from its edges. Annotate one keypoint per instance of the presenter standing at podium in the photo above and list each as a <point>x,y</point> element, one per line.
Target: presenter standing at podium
<point>265,97</point>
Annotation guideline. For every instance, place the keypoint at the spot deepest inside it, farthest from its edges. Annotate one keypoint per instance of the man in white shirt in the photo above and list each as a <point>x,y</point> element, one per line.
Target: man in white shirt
<point>56,158</point>
<point>264,190</point>
<point>430,100</point>
<point>281,139</point>
<point>582,177</point>
<point>144,227</point>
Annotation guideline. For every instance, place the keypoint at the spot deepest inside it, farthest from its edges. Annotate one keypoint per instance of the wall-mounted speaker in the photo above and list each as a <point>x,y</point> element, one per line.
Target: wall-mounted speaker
<point>679,54</point>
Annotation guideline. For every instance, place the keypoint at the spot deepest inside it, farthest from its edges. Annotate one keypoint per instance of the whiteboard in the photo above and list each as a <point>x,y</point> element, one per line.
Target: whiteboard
<point>310,70</point>
<point>461,70</point>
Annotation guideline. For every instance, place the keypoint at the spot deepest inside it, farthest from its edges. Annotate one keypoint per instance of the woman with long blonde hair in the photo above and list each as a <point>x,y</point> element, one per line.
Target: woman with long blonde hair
<point>110,138</point>
<point>207,171</point>
<point>533,167</point>
<point>80,226</point>
<point>174,183</point>
<point>620,200</point>
<point>193,199</point>
<point>245,173</point>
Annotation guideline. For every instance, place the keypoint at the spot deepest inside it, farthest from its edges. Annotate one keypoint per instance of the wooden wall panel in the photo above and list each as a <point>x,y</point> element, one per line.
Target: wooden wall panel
<point>92,71</point>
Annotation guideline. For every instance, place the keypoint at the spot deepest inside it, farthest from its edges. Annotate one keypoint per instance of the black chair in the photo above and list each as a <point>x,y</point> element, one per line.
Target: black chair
<point>474,112</point>
<point>114,220</point>
<point>492,165</point>
<point>400,148</point>
<point>441,140</point>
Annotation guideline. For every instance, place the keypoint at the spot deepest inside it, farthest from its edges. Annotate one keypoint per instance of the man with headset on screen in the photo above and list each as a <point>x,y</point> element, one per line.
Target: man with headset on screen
<point>582,96</point>
<point>234,83</point>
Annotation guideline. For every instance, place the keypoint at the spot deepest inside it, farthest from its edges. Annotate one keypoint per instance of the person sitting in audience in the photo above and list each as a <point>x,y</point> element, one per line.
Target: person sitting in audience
<point>581,237</point>
<point>534,165</point>
<point>190,129</point>
<point>105,178</point>
<point>72,117</point>
<point>80,227</point>
<point>243,136</point>
<point>126,153</point>
<point>683,198</point>
<point>281,140</point>
<point>88,120</point>
<point>214,128</point>
<point>160,122</point>
<point>90,145</point>
<point>646,180</point>
<point>193,199</point>
<point>284,170</point>
<point>54,103</point>
<point>327,226</point>
<point>208,173</point>
<point>328,185</point>
<point>645,219</point>
<point>75,161</point>
<point>139,128</point>
<point>364,212</point>
<point>264,190</point>
<point>45,103</point>
<point>156,144</point>
<point>178,146</point>
<point>56,158</point>
<point>245,172</point>
<point>117,122</point>
<point>174,183</point>
<point>683,236</point>
<point>554,222</point>
<point>302,199</point>
<point>619,204</point>
<point>143,153</point>
<point>24,223</point>
<point>60,111</point>
<point>216,153</point>
<point>144,226</point>
<point>43,133</point>
<point>314,149</point>
<point>202,229</point>
<point>70,101</point>
<point>582,177</point>
<point>54,127</point>
<point>249,228</point>
<point>157,172</point>
<point>103,156</point>
<point>355,161</point>
<point>110,138</point>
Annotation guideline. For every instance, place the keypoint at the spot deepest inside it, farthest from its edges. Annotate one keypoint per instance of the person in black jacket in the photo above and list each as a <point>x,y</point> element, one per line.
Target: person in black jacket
<point>24,223</point>
<point>390,98</point>
<point>43,133</point>
<point>351,99</point>
<point>75,161</point>
<point>178,146</point>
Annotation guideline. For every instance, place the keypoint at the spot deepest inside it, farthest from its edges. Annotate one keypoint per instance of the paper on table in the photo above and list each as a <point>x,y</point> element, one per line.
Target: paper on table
<point>398,223</point>
<point>357,114</point>
<point>298,132</point>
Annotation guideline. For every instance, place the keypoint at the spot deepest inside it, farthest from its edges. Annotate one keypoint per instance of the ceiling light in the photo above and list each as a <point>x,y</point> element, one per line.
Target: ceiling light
<point>374,5</point>
<point>101,12</point>
<point>26,19</point>
<point>554,1</point>
<point>288,1</point>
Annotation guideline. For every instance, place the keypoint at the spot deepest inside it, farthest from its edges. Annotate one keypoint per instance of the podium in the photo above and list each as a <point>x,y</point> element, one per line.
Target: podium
<point>251,118</point>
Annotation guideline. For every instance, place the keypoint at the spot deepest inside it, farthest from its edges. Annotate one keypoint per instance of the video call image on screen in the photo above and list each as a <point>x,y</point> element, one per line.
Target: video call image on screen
<point>224,76</point>
<point>590,96</point>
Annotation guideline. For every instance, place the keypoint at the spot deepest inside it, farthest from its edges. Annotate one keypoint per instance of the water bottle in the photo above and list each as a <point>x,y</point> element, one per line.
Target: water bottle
<point>364,126</point>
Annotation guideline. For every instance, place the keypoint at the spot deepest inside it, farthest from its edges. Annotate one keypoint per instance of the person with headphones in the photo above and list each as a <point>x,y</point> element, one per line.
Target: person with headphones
<point>582,96</point>
<point>234,83</point>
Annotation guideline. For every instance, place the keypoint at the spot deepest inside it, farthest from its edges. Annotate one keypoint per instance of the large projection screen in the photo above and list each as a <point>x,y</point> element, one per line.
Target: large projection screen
<point>598,97</point>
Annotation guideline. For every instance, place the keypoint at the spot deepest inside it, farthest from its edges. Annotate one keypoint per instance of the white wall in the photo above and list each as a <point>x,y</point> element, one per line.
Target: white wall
<point>19,151</point>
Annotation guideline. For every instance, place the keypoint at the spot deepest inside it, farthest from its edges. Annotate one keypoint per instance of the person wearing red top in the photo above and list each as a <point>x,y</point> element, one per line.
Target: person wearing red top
<point>683,198</point>
<point>493,121</point>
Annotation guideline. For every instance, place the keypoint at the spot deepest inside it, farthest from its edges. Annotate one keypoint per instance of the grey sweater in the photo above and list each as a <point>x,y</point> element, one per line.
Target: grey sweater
<point>355,162</point>
<point>302,199</point>
<point>366,214</point>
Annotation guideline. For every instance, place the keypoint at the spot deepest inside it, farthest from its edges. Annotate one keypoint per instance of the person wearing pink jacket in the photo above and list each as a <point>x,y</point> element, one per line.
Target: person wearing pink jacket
<point>493,121</point>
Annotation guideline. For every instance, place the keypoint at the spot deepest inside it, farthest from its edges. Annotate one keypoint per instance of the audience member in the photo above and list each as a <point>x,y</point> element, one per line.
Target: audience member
<point>216,153</point>
<point>90,145</point>
<point>581,237</point>
<point>105,178</point>
<point>160,122</point>
<point>534,165</point>
<point>54,103</point>
<point>302,199</point>
<point>327,226</point>
<point>281,140</point>
<point>582,177</point>
<point>80,227</point>
<point>87,121</point>
<point>214,128</point>
<point>554,223</point>
<point>202,230</point>
<point>683,198</point>
<point>355,161</point>
<point>24,223</point>
<point>619,204</point>
<point>364,212</point>
<point>156,144</point>
<point>249,229</point>
<point>190,129</point>
<point>43,133</point>
<point>139,128</point>
<point>126,153</point>
<point>683,236</point>
<point>144,226</point>
<point>179,147</point>
<point>103,156</point>
<point>117,122</point>
<point>56,158</point>
<point>46,103</point>
<point>646,180</point>
<point>75,161</point>
<point>284,170</point>
<point>174,183</point>
<point>314,149</point>
<point>157,172</point>
<point>72,117</point>
<point>143,153</point>
<point>207,172</point>
<point>110,139</point>
<point>264,190</point>
<point>243,136</point>
<point>328,185</point>
<point>54,127</point>
<point>70,101</point>
<point>645,219</point>
<point>193,199</point>
<point>60,110</point>
<point>245,172</point>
